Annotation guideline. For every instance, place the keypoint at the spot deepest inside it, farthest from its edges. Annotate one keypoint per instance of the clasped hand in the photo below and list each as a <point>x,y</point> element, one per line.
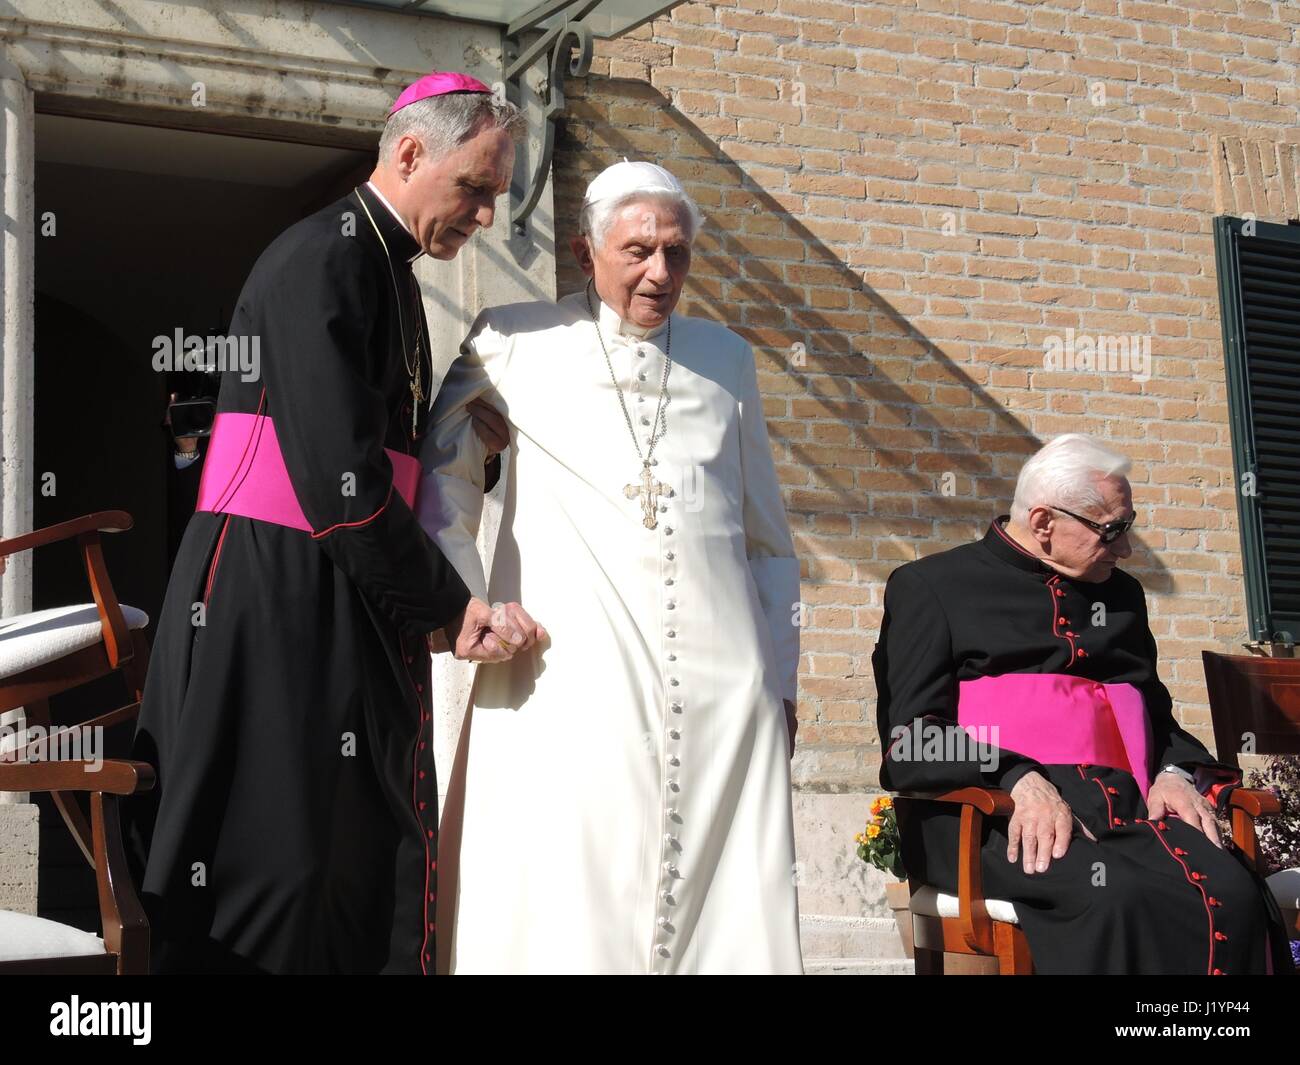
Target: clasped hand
<point>483,633</point>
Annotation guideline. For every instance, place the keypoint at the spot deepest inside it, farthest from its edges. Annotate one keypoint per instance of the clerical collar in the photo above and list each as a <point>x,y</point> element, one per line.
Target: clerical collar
<point>611,323</point>
<point>402,245</point>
<point>1003,546</point>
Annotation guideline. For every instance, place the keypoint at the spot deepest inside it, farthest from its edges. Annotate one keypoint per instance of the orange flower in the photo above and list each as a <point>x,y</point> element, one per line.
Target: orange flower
<point>873,831</point>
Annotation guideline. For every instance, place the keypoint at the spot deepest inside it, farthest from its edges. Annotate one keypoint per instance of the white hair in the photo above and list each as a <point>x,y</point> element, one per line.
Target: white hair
<point>1064,473</point>
<point>441,123</point>
<point>596,218</point>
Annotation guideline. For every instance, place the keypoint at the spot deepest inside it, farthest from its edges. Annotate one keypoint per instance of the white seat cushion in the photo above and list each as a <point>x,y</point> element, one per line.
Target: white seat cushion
<point>30,640</point>
<point>27,938</point>
<point>931,902</point>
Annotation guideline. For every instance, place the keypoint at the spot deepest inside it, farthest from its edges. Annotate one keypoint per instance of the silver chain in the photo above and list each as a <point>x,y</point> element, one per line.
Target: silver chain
<point>661,409</point>
<point>412,372</point>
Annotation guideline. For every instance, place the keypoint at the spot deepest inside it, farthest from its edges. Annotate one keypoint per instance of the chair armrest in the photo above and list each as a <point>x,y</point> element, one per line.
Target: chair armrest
<point>992,802</point>
<point>1254,802</point>
<point>101,521</point>
<point>1244,806</point>
<point>113,777</point>
<point>86,530</point>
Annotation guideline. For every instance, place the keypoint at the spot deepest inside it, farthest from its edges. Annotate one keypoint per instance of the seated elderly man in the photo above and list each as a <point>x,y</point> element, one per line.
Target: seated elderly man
<point>1034,643</point>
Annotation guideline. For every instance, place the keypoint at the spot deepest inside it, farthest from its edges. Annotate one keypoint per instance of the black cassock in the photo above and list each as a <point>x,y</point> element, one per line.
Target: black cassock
<point>1145,897</point>
<point>294,825</point>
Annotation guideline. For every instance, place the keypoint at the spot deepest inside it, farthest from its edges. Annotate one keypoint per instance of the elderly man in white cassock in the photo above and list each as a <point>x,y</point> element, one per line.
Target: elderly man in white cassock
<point>623,787</point>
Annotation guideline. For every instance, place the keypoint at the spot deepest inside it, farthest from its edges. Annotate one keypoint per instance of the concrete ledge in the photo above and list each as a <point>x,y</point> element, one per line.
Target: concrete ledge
<point>19,847</point>
<point>859,967</point>
<point>827,939</point>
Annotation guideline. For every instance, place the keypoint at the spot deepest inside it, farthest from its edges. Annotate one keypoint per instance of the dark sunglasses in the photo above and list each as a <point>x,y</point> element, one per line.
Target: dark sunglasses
<point>1108,533</point>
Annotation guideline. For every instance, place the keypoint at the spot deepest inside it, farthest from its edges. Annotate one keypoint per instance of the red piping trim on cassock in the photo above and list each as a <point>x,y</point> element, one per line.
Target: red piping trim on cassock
<point>1052,582</point>
<point>1003,533</point>
<point>1110,809</point>
<point>1209,970</point>
<point>212,566</point>
<point>1067,635</point>
<point>415,806</point>
<point>356,524</point>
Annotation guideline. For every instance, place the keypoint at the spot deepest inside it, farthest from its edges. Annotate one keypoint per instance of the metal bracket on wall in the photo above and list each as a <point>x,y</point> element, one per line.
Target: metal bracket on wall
<point>567,43</point>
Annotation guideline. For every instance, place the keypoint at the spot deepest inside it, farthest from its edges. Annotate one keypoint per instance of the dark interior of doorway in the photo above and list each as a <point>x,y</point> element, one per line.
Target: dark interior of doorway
<point>141,230</point>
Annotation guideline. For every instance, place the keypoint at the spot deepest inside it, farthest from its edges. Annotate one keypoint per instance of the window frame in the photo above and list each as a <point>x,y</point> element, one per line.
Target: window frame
<point>1228,234</point>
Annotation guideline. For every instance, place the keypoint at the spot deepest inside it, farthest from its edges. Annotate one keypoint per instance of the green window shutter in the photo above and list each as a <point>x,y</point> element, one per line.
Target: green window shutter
<point>1259,298</point>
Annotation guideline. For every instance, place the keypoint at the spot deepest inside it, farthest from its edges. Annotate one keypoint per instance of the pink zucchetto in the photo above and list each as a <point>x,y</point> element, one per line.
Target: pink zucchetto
<point>437,83</point>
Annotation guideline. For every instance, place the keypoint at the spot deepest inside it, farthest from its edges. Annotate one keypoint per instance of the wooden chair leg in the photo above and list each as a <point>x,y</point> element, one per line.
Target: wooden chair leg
<point>126,929</point>
<point>928,962</point>
<point>38,713</point>
<point>1012,950</point>
<point>955,964</point>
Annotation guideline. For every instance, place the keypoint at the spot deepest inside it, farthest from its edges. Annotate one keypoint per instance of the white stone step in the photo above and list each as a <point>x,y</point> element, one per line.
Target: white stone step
<point>827,937</point>
<point>858,967</point>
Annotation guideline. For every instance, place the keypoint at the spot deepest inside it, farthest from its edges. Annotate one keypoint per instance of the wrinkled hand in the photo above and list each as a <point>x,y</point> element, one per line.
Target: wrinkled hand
<point>791,723</point>
<point>490,425</point>
<point>1171,795</point>
<point>1040,825</point>
<point>483,633</point>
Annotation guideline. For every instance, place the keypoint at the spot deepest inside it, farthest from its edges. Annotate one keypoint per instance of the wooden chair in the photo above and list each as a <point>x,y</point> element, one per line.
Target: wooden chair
<point>966,933</point>
<point>42,654</point>
<point>1255,708</point>
<point>969,934</point>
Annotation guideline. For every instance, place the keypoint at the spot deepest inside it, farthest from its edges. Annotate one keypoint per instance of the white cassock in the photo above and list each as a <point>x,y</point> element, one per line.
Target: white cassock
<point>623,792</point>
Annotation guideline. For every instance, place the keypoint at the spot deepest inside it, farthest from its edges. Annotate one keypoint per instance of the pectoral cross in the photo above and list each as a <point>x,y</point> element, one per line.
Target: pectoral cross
<point>649,490</point>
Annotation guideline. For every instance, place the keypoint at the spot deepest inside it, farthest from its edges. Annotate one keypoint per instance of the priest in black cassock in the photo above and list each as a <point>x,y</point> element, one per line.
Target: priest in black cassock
<point>287,707</point>
<point>1024,661</point>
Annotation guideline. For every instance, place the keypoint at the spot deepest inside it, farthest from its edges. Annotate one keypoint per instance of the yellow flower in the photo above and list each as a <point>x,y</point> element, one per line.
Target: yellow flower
<point>873,831</point>
<point>886,803</point>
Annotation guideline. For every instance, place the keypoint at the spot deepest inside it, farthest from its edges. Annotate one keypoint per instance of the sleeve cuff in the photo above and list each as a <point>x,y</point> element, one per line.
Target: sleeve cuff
<point>777,581</point>
<point>1011,777</point>
<point>449,510</point>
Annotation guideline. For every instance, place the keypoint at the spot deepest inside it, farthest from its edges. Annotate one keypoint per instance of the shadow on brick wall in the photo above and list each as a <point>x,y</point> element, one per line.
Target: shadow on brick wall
<point>891,449</point>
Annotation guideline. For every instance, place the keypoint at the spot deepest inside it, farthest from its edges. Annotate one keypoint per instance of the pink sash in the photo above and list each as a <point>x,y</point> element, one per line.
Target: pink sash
<point>244,473</point>
<point>1057,719</point>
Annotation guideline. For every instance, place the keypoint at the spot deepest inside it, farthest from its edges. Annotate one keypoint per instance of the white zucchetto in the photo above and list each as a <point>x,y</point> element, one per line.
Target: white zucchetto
<point>623,179</point>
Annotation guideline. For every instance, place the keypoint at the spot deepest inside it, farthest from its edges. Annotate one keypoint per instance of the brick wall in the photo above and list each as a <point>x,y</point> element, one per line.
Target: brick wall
<point>905,200</point>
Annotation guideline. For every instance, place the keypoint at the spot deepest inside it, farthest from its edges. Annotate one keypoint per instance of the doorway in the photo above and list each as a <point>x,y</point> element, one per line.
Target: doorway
<point>141,231</point>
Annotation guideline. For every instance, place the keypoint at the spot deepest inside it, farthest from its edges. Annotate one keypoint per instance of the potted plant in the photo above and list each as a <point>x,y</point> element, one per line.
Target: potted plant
<point>1279,837</point>
<point>878,844</point>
